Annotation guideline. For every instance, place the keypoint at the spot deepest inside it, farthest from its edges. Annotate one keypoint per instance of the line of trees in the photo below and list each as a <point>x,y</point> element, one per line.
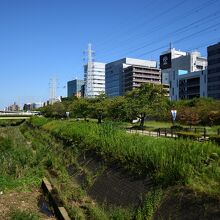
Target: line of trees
<point>147,102</point>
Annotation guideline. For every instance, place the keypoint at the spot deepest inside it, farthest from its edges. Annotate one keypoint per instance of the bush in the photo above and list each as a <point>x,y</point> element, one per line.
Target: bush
<point>177,128</point>
<point>215,138</point>
<point>190,135</point>
<point>39,121</point>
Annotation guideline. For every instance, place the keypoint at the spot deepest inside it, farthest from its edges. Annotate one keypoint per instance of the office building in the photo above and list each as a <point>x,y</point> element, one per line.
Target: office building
<point>74,88</point>
<point>115,79</point>
<point>94,77</point>
<point>135,75</point>
<point>192,85</point>
<point>176,65</point>
<point>214,71</point>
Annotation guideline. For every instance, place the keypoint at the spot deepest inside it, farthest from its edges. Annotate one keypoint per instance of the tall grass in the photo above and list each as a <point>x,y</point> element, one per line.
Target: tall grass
<point>167,161</point>
<point>18,164</point>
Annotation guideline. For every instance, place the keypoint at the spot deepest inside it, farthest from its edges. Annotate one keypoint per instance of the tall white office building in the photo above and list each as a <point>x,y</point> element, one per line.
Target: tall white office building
<point>94,76</point>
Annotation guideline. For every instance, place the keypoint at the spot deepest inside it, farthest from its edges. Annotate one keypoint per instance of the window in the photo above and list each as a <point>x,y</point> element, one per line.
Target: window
<point>214,79</point>
<point>214,70</point>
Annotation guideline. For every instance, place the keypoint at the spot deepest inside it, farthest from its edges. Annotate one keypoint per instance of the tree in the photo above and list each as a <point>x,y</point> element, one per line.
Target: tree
<point>147,100</point>
<point>189,116</point>
<point>117,108</point>
<point>57,110</point>
<point>99,107</point>
<point>81,108</point>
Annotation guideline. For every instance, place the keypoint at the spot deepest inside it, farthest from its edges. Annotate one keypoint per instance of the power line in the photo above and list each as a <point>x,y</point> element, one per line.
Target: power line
<point>195,10</point>
<point>153,18</point>
<point>125,24</point>
<point>185,28</point>
<point>179,40</point>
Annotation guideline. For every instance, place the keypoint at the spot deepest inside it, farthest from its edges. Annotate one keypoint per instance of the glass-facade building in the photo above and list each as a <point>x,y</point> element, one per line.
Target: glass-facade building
<point>214,71</point>
<point>74,87</point>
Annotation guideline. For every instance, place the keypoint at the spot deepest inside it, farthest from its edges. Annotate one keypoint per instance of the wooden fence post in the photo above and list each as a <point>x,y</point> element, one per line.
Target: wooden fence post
<point>204,132</point>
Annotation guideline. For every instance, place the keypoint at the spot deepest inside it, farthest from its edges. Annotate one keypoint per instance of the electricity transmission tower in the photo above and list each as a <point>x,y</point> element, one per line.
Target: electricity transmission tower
<point>88,76</point>
<point>52,90</point>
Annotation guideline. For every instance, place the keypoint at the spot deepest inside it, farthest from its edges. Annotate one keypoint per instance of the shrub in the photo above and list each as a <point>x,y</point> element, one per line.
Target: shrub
<point>190,135</point>
<point>177,128</point>
<point>215,138</point>
<point>39,121</point>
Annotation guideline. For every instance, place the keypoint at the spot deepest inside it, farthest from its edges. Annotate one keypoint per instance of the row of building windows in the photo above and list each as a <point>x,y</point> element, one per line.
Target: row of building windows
<point>214,70</point>
<point>215,96</point>
<point>213,87</point>
<point>214,79</point>
<point>213,61</point>
<point>213,52</point>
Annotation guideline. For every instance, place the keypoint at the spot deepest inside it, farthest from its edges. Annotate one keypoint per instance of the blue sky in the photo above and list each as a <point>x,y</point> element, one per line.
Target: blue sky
<point>41,39</point>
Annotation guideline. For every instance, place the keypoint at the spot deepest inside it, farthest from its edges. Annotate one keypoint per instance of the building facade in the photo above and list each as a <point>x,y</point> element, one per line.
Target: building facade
<point>32,106</point>
<point>115,79</point>
<point>192,85</point>
<point>214,71</point>
<point>135,75</point>
<point>94,77</point>
<point>13,107</point>
<point>176,65</point>
<point>74,88</point>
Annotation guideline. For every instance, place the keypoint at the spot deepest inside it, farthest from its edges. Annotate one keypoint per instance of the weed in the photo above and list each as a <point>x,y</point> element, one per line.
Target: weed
<point>23,215</point>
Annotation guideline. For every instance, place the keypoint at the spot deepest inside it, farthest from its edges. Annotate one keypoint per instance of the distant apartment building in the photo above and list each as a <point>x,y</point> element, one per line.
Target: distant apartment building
<point>13,107</point>
<point>178,65</point>
<point>74,88</point>
<point>214,71</point>
<point>32,106</point>
<point>128,73</point>
<point>94,77</point>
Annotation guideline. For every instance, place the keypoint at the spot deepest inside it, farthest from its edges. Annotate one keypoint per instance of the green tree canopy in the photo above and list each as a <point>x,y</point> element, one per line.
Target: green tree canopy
<point>147,100</point>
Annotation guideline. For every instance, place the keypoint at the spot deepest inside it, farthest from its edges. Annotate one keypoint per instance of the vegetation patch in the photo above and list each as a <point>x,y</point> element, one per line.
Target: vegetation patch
<point>167,161</point>
<point>23,215</point>
<point>190,135</point>
<point>215,138</point>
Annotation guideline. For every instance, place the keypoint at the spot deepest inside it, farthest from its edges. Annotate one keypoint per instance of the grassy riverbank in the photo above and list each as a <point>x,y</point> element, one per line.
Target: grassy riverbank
<point>168,162</point>
<point>28,154</point>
